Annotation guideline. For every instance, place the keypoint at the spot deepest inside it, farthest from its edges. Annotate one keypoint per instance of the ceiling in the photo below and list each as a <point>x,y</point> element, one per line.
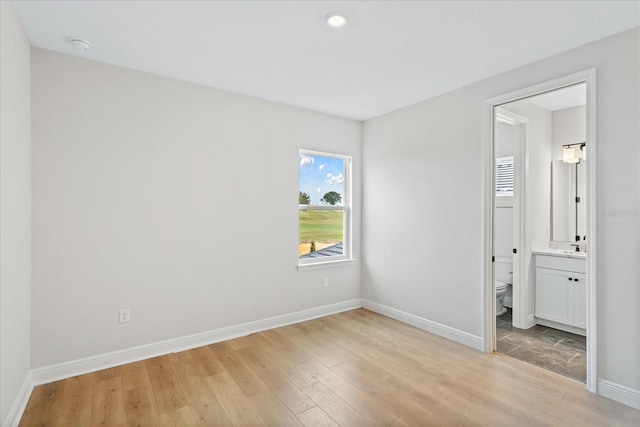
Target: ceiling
<point>389,55</point>
<point>560,99</point>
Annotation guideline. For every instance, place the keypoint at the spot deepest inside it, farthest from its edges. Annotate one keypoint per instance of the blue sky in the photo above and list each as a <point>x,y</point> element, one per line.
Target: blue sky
<point>319,175</point>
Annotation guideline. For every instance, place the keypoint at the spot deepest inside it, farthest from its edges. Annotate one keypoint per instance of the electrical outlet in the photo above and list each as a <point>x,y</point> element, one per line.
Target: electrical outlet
<point>125,315</point>
<point>325,282</point>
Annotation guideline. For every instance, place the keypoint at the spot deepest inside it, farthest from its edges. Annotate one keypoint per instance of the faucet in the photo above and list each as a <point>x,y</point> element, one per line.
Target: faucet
<point>577,246</point>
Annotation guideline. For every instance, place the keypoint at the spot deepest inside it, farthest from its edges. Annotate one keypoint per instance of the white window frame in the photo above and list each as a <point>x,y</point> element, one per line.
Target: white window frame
<point>345,207</point>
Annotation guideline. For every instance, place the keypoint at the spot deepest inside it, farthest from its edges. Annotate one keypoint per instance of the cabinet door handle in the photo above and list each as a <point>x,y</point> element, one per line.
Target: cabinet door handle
<point>575,279</point>
<point>570,278</point>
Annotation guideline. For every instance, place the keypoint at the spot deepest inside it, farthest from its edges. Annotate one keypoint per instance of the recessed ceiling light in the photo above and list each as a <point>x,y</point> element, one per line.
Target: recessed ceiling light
<point>336,20</point>
<point>79,43</point>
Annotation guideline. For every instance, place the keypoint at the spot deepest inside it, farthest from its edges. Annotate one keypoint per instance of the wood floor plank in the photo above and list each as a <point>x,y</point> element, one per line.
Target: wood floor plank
<point>179,418</point>
<point>242,375</point>
<point>167,390</point>
<point>302,337</point>
<point>139,403</point>
<point>321,338</point>
<point>236,404</point>
<point>496,390</point>
<point>288,367</point>
<point>140,408</point>
<point>135,376</point>
<point>273,411</point>
<point>293,398</point>
<point>521,387</point>
<point>44,405</point>
<point>316,417</point>
<point>205,407</point>
<point>351,368</point>
<point>358,399</point>
<point>242,342</point>
<point>277,339</point>
<point>387,343</point>
<point>336,408</point>
<point>76,405</point>
<point>396,403</point>
<point>205,361</point>
<point>108,402</point>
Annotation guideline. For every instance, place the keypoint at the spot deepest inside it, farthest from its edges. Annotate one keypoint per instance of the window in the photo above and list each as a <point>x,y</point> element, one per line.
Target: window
<point>504,176</point>
<point>324,205</point>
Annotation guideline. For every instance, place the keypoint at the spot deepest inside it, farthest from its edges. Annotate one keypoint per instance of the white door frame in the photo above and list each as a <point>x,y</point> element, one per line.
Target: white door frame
<point>489,335</point>
<point>520,278</point>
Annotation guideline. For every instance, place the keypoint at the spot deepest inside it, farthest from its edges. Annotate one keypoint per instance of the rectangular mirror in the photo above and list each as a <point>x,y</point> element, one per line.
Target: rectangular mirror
<point>568,203</point>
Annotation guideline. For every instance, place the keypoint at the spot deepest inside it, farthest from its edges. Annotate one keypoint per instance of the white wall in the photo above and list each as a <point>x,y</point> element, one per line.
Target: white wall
<point>174,200</point>
<point>569,126</point>
<point>422,234</point>
<point>15,211</point>
<point>423,181</point>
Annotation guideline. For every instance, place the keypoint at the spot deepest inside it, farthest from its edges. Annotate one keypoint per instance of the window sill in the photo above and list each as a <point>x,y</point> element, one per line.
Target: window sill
<point>326,264</point>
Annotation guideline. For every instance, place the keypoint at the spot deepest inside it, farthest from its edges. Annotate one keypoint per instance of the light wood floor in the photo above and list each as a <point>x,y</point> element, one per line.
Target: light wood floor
<point>350,369</point>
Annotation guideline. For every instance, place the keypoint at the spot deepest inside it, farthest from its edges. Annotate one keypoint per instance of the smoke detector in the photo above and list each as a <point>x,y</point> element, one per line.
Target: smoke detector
<point>79,43</point>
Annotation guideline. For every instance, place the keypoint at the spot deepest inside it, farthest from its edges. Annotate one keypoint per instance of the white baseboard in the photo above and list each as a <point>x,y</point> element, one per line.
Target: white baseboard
<point>619,393</point>
<point>70,369</point>
<point>20,404</point>
<point>427,325</point>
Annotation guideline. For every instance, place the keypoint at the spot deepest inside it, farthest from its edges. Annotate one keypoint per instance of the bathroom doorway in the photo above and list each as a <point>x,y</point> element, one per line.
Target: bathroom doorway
<point>510,149</point>
<point>528,133</point>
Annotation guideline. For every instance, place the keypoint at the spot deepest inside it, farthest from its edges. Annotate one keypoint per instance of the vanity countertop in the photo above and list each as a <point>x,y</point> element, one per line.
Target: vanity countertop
<point>563,253</point>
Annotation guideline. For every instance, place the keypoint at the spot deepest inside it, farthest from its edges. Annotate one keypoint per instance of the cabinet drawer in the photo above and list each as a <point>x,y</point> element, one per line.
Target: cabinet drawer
<point>561,263</point>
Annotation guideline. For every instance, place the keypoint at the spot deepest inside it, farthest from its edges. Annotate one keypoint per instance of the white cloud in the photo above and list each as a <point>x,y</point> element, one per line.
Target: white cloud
<point>305,160</point>
<point>319,190</point>
<point>334,179</point>
<point>321,167</point>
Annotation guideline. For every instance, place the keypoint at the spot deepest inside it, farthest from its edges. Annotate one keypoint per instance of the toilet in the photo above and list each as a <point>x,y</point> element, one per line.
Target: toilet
<point>503,276</point>
<point>501,290</point>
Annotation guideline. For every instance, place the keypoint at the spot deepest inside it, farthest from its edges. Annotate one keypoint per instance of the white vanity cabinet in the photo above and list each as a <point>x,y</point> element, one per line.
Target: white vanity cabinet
<point>560,289</point>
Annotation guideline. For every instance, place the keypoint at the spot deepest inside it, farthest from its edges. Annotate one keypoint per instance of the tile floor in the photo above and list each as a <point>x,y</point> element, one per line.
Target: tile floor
<point>558,351</point>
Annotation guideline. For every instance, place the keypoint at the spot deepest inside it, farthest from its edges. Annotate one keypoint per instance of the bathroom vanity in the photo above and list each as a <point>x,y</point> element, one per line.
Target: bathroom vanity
<point>560,289</point>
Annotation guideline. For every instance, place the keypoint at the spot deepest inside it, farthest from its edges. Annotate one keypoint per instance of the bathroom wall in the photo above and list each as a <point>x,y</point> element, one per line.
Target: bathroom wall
<point>506,144</point>
<point>568,127</point>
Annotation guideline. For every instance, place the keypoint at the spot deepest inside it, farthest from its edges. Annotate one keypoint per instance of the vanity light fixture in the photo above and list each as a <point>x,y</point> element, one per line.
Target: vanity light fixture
<point>573,154</point>
<point>569,155</point>
<point>336,20</point>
